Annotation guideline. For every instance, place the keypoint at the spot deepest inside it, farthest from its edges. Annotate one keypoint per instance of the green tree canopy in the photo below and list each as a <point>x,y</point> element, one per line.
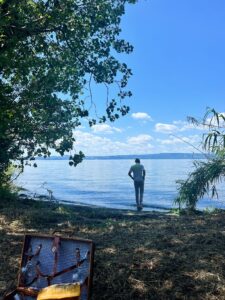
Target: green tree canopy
<point>50,51</point>
<point>206,173</point>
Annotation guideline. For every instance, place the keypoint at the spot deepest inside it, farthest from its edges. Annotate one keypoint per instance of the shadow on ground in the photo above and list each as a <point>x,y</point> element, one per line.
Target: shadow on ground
<point>138,255</point>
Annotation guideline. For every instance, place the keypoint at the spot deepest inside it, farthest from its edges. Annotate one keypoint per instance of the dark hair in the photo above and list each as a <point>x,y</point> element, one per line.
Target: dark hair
<point>137,160</point>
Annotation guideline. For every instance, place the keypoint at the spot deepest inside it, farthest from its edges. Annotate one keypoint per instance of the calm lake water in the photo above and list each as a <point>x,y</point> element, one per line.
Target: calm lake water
<point>105,183</point>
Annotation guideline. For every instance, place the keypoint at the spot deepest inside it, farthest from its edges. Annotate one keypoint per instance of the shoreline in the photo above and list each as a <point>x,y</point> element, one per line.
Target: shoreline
<point>139,255</point>
<point>154,208</point>
<point>100,209</point>
<point>46,198</point>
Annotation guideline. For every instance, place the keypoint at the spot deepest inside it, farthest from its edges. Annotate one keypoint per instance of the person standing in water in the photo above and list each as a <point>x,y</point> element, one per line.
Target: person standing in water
<point>137,173</point>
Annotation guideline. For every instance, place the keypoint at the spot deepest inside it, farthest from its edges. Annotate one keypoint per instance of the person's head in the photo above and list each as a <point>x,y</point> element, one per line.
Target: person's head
<point>137,160</point>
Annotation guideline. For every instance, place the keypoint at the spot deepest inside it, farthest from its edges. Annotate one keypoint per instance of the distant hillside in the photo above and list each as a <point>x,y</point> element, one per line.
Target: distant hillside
<point>153,156</point>
<point>141,156</point>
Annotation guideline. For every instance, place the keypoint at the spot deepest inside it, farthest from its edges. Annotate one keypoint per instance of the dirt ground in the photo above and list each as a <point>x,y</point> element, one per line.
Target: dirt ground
<point>139,255</point>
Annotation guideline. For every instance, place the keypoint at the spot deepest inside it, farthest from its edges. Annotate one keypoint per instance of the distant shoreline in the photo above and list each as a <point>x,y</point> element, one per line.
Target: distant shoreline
<point>133,156</point>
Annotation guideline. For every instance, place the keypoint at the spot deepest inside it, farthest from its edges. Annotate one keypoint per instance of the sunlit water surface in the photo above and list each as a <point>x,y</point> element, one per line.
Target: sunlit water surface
<point>105,183</point>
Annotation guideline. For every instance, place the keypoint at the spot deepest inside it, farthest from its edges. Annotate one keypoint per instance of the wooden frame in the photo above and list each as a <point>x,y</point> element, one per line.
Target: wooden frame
<point>48,260</point>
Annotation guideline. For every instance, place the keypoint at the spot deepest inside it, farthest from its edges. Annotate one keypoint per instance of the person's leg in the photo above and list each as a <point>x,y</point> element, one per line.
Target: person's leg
<point>141,192</point>
<point>136,186</point>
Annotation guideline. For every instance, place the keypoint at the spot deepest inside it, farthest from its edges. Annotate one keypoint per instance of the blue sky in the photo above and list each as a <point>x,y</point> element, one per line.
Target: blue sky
<point>178,66</point>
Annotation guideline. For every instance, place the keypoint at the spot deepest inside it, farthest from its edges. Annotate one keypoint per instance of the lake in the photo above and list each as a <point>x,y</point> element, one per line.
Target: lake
<point>105,183</point>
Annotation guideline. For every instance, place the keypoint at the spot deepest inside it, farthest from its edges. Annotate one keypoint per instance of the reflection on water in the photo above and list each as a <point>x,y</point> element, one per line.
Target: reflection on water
<point>106,183</point>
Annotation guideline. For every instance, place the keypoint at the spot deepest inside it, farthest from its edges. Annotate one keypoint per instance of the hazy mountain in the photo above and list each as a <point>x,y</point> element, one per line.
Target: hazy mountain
<point>141,156</point>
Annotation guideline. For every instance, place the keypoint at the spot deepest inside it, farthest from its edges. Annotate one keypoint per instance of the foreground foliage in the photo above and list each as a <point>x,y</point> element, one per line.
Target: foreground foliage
<point>50,53</point>
<point>207,174</point>
<point>202,180</point>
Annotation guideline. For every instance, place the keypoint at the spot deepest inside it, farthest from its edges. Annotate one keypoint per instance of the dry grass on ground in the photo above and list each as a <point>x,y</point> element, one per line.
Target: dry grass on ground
<point>138,255</point>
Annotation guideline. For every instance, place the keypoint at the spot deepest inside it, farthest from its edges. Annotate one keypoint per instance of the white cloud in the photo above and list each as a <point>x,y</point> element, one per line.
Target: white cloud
<point>141,116</point>
<point>105,128</point>
<point>184,126</point>
<point>92,144</point>
<point>177,126</point>
<point>170,141</point>
<point>165,128</point>
<point>139,139</point>
<point>180,143</point>
<point>176,140</point>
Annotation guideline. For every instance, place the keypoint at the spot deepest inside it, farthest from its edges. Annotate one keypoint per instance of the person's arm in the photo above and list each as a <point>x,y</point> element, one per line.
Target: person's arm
<point>130,174</point>
<point>144,173</point>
